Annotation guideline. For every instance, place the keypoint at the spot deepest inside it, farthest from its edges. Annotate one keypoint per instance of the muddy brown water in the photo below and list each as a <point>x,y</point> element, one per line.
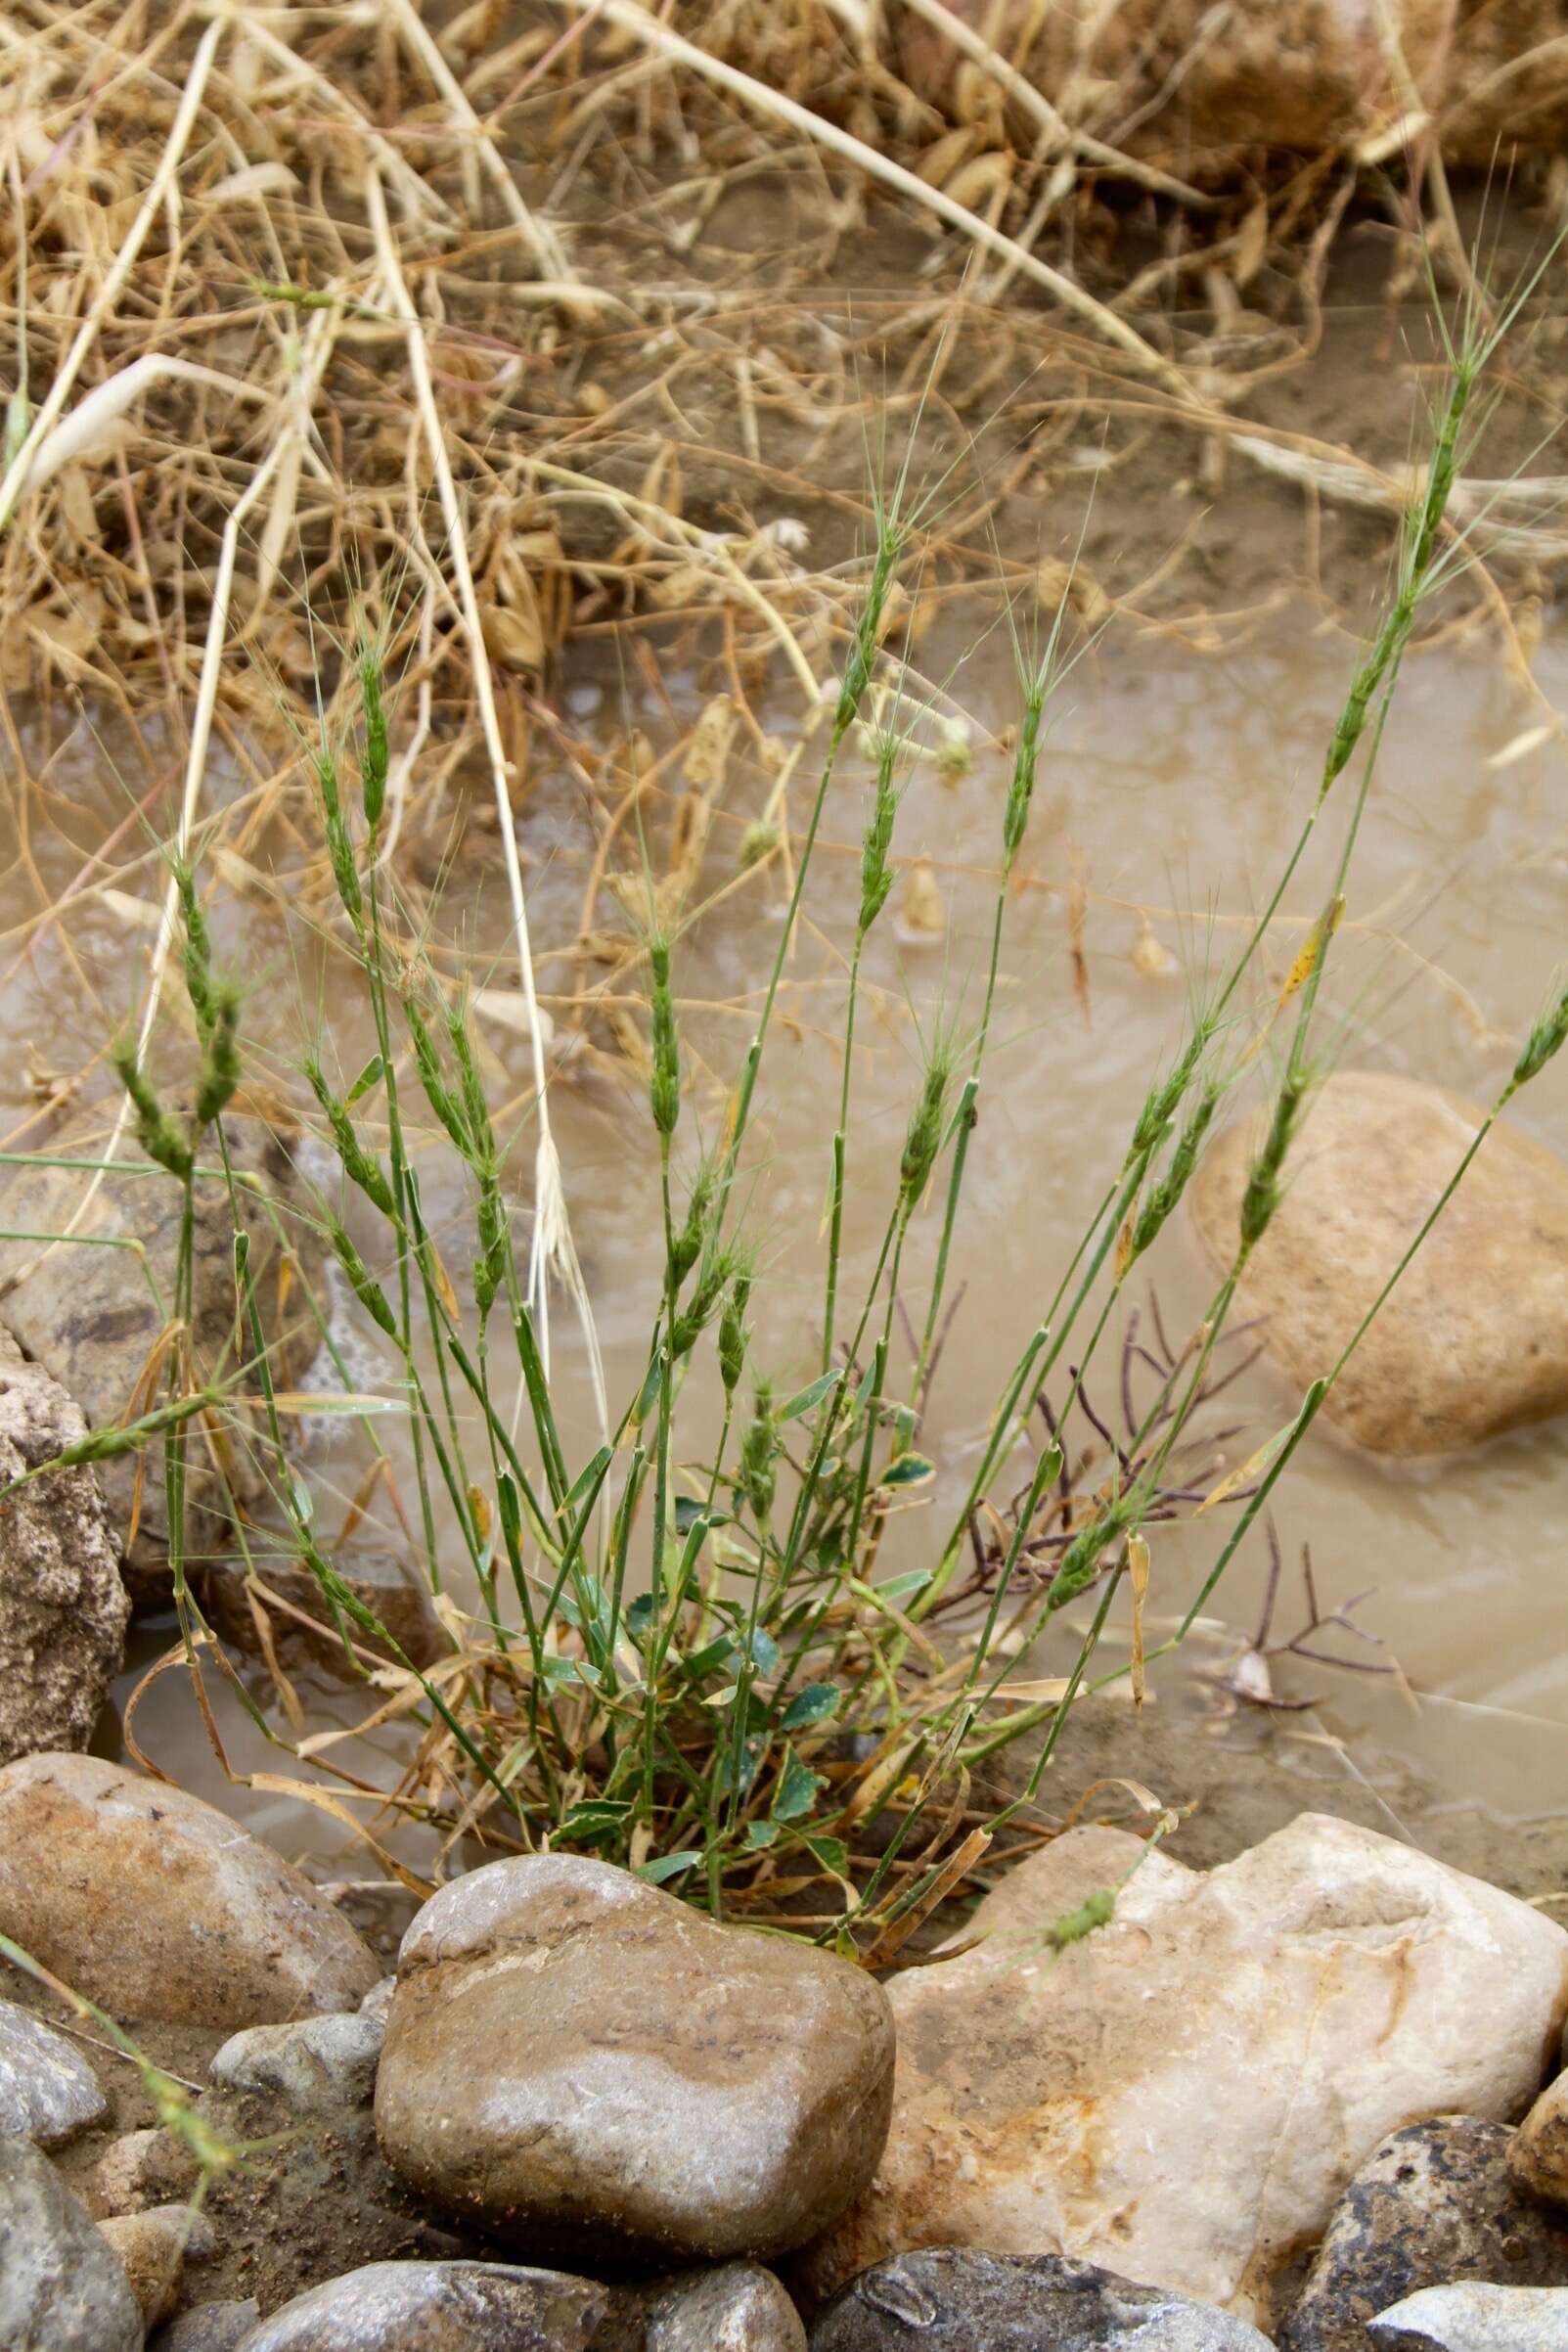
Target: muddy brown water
<point>1170,789</point>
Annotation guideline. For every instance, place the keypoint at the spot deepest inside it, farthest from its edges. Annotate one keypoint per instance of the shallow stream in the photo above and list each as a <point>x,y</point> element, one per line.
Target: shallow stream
<point>1171,788</point>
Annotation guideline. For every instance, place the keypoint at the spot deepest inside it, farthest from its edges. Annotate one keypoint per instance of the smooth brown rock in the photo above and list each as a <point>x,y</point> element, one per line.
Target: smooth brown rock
<point>154,2248</point>
<point>63,1606</point>
<point>1182,2095</point>
<point>1474,1338</point>
<point>1538,2158</point>
<point>92,1316</point>
<point>158,1906</point>
<point>580,2064</point>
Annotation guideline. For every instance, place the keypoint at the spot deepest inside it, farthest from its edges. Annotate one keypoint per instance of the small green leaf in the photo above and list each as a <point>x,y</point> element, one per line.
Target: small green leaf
<point>369,1079</point>
<point>666,1866</point>
<point>797,1789</point>
<point>899,1588</point>
<point>710,1658</point>
<point>814,1705</point>
<point>804,1398</point>
<point>639,1618</point>
<point>831,1853</point>
<point>759,1833</point>
<point>764,1650</point>
<point>909,1469</point>
<point>591,1475</point>
<point>688,1511</point>
<point>590,1822</point>
<point>650,1388</point>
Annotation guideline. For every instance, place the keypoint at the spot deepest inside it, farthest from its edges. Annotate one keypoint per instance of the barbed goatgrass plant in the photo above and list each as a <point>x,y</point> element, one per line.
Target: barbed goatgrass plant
<point>695,1668</point>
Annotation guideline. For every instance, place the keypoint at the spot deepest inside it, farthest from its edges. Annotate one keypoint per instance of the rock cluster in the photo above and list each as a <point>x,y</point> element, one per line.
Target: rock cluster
<point>630,2111</point>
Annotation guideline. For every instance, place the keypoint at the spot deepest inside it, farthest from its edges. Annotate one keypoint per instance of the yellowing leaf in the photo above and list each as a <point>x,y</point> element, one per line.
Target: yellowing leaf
<point>1137,1577</point>
<point>1253,1468</point>
<point>1318,938</point>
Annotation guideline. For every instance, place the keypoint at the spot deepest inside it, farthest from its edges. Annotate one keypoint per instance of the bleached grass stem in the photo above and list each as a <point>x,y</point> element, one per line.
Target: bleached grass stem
<point>757,95</point>
<point>119,269</point>
<point>553,1248</point>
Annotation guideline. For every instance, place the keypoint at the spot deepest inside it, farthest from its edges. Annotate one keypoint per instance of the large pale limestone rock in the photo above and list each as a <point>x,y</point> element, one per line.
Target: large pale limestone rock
<point>580,2064</point>
<point>1182,2095</point>
<point>62,1608</point>
<point>157,1905</point>
<point>1474,1337</point>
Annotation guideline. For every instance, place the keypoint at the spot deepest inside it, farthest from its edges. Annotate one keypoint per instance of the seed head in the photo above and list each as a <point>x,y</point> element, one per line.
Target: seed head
<point>374,761</point>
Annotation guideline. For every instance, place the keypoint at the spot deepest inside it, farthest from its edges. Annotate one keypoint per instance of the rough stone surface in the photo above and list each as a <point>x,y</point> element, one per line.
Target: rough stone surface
<point>317,2063</point>
<point>63,1606</point>
<point>158,1906</point>
<point>955,2299</point>
<point>1539,2156</point>
<point>62,2286</point>
<point>1183,2094</point>
<point>48,2091</point>
<point>437,2307</point>
<point>1474,1339</point>
<point>385,1582</point>
<point>154,2246</point>
<point>1433,2204</point>
<point>377,2002</point>
<point>739,2307</point>
<point>140,2169</point>
<point>207,2327</point>
<point>1475,2319</point>
<point>578,2061</point>
<point>92,1317</point>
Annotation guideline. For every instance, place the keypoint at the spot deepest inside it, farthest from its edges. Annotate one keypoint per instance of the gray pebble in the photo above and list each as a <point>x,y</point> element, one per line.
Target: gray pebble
<point>956,2300</point>
<point>207,2327</point>
<point>48,2091</point>
<point>61,2288</point>
<point>317,2063</point>
<point>437,2307</point>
